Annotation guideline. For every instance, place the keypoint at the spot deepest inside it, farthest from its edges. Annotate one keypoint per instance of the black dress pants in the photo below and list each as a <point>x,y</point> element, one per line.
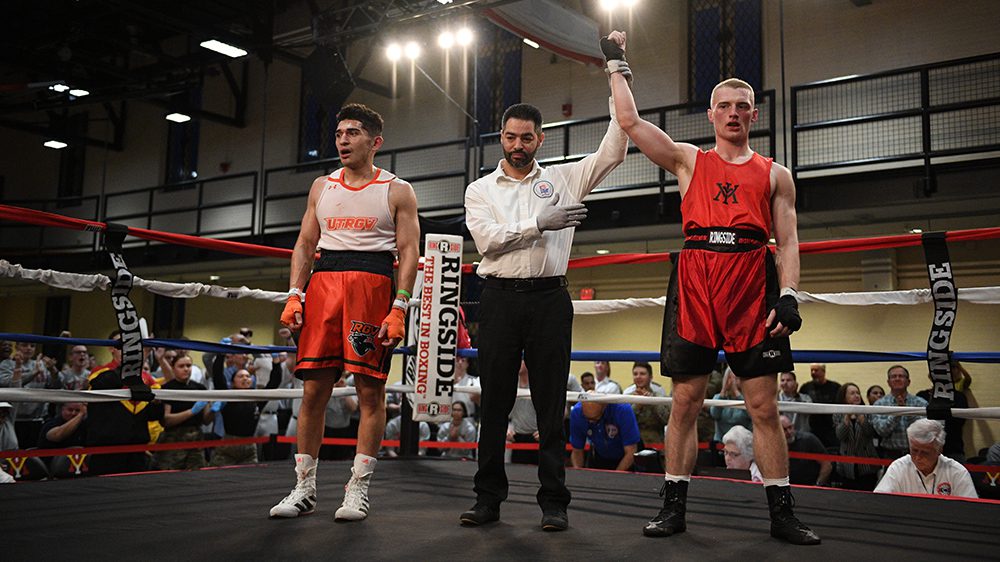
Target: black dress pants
<point>538,325</point>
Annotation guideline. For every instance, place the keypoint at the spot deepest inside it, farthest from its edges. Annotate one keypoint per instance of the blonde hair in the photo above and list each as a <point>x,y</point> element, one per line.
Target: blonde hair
<point>736,84</point>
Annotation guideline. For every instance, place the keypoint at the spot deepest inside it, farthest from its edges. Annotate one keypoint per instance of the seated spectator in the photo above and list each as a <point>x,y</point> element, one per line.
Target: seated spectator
<point>988,483</point>
<point>892,429</point>
<point>605,385</point>
<point>652,418</point>
<point>74,376</point>
<point>610,429</point>
<point>925,470</point>
<point>338,424</point>
<point>857,439</point>
<point>459,430</point>
<point>182,421</point>
<point>523,426</point>
<point>726,418</point>
<point>805,471</point>
<point>587,382</point>
<point>790,393</point>
<point>26,370</point>
<point>68,429</point>
<point>127,422</point>
<point>954,444</point>
<point>393,431</point>
<point>738,450</point>
<point>706,423</point>
<point>874,394</point>
<point>8,437</point>
<point>239,418</point>
<point>464,379</point>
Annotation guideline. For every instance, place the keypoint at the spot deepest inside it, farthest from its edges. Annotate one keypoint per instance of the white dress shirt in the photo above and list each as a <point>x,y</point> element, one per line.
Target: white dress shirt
<point>949,478</point>
<point>501,212</point>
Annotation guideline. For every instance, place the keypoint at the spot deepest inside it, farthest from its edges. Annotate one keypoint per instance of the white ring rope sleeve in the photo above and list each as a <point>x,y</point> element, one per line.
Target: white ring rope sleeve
<point>81,282</point>
<point>50,395</point>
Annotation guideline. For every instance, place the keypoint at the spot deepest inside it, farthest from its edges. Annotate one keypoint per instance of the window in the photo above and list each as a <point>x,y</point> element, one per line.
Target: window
<point>724,38</point>
<point>182,142</point>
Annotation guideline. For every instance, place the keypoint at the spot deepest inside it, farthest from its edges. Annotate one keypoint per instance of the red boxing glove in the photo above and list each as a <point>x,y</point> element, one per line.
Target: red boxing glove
<point>292,315</point>
<point>394,325</point>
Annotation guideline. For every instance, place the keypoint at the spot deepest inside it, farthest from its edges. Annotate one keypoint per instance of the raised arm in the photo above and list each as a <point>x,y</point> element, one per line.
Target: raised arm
<point>659,148</point>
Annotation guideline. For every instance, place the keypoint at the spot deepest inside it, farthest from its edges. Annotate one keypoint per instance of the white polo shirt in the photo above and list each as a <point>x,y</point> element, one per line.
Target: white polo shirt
<point>501,212</point>
<point>949,478</point>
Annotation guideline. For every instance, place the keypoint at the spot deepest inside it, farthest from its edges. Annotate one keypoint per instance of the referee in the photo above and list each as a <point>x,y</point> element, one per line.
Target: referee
<point>522,217</point>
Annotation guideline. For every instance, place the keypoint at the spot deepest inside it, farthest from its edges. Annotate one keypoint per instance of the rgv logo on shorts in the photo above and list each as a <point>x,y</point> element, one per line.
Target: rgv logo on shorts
<point>362,337</point>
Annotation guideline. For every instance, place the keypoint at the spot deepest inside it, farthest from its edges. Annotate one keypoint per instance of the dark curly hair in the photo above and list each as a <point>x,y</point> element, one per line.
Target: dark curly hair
<point>370,120</point>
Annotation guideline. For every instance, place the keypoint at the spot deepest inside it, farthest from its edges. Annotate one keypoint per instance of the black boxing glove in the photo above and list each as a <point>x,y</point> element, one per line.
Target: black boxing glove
<point>612,51</point>
<point>615,56</point>
<point>786,311</point>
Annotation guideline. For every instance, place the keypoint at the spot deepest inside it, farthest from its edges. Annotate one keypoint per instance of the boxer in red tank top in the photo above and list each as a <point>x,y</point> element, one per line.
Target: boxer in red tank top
<point>724,290</point>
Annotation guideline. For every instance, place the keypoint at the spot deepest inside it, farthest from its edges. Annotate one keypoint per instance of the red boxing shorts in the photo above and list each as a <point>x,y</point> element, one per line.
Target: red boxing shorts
<point>723,285</point>
<point>342,316</point>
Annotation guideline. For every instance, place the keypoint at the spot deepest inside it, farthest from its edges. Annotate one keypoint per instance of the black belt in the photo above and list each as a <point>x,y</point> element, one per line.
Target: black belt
<point>379,263</point>
<point>717,239</point>
<point>528,284</point>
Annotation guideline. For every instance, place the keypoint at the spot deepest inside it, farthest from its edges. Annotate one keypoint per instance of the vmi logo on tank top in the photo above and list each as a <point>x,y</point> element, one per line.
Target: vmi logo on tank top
<point>727,191</point>
<point>351,223</point>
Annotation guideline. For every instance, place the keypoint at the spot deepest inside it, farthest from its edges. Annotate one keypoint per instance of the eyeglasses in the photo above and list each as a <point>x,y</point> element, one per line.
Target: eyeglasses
<point>732,454</point>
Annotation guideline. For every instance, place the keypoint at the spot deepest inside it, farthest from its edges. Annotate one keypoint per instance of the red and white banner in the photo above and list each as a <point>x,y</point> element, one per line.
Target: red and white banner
<point>437,338</point>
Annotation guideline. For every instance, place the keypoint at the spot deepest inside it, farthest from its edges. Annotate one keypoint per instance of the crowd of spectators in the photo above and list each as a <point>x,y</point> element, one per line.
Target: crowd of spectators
<point>606,436</point>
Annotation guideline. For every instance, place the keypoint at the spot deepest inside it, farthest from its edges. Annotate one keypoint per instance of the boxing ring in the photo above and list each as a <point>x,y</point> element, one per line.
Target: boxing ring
<point>416,502</point>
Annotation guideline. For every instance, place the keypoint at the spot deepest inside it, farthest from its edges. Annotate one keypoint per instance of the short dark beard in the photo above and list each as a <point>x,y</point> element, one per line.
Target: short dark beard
<point>529,158</point>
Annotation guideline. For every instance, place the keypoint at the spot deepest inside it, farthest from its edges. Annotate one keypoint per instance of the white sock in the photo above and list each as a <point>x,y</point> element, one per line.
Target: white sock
<point>674,478</point>
<point>776,481</point>
<point>364,465</point>
<point>305,468</point>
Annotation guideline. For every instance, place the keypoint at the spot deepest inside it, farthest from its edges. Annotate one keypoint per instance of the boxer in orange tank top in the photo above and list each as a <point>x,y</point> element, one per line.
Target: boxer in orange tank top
<point>360,218</point>
<point>727,291</point>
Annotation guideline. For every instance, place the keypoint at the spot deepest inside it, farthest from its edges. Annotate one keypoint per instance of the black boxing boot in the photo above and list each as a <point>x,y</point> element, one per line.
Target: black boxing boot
<point>784,524</point>
<point>670,519</point>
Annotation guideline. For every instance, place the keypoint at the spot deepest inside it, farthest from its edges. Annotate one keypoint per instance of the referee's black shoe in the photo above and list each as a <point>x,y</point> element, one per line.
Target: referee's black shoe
<point>670,520</point>
<point>784,524</point>
<point>480,514</point>
<point>555,520</point>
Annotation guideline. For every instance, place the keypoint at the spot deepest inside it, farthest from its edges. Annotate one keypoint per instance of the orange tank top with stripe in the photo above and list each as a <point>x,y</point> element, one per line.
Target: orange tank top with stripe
<point>728,195</point>
<point>357,217</point>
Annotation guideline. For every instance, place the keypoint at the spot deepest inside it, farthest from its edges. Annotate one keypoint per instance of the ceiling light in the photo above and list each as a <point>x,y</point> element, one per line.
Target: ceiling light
<point>531,43</point>
<point>54,144</point>
<point>916,231</point>
<point>394,52</point>
<point>77,92</point>
<point>59,88</point>
<point>412,50</point>
<point>446,40</point>
<point>214,278</point>
<point>178,118</point>
<point>224,48</point>
<point>603,252</point>
<point>445,1</point>
<point>630,3</point>
<point>464,36</point>
<point>609,5</point>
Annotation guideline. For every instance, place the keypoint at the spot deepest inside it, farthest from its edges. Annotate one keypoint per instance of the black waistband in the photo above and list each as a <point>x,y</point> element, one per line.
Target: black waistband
<point>528,284</point>
<point>379,263</point>
<point>717,239</point>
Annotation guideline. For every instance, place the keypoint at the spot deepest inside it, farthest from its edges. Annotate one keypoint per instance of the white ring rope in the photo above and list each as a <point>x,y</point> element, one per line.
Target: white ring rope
<point>53,395</point>
<point>85,283</point>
